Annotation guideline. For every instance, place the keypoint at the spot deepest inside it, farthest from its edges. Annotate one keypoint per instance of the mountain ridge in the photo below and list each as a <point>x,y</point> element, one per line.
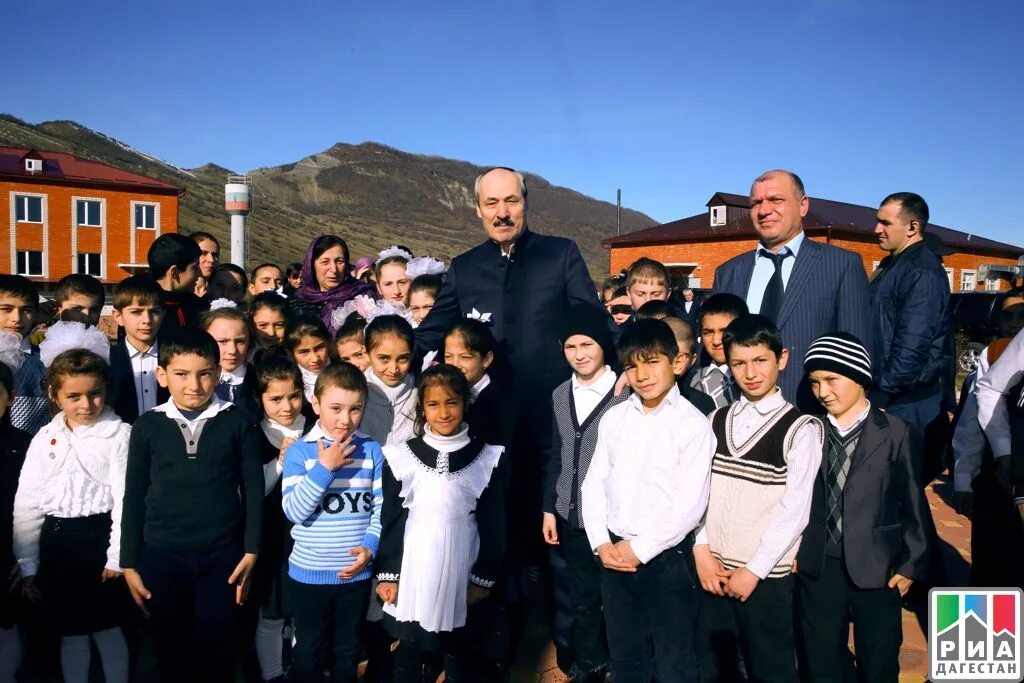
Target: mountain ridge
<point>372,194</point>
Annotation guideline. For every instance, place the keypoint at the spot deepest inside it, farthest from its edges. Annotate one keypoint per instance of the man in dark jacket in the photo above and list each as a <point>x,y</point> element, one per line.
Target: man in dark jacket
<point>523,285</point>
<point>909,305</point>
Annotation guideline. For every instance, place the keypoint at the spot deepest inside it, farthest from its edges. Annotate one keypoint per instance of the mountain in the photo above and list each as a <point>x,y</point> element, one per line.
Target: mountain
<point>370,194</point>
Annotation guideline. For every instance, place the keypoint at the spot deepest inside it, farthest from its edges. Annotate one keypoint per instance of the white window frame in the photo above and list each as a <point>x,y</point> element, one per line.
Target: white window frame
<point>13,246</point>
<point>132,256</point>
<point>102,218</point>
<point>874,265</point>
<point>84,255</point>
<point>17,201</point>
<point>992,285</point>
<point>156,215</point>
<point>26,272</point>
<point>950,275</point>
<point>964,272</point>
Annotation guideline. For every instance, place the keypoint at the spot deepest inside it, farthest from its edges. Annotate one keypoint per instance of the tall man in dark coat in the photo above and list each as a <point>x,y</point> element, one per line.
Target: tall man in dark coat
<point>808,289</point>
<point>523,284</point>
<point>910,314</point>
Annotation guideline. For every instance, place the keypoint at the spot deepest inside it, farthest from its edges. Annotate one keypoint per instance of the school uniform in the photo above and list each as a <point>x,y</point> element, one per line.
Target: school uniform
<point>133,385</point>
<point>30,408</point>
<point>444,523</point>
<point>767,458</point>
<point>67,522</point>
<point>390,413</point>
<point>193,506</point>
<point>717,382</point>
<point>239,387</point>
<point>12,457</point>
<point>869,520</point>
<point>648,483</point>
<point>181,310</point>
<point>491,416</point>
<point>701,401</point>
<point>577,414</point>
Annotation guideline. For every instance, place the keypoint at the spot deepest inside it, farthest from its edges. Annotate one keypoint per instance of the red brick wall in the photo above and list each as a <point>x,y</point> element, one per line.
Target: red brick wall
<point>712,253</point>
<point>59,222</point>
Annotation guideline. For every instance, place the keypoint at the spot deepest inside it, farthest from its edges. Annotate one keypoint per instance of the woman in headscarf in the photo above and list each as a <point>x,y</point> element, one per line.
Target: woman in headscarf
<point>326,281</point>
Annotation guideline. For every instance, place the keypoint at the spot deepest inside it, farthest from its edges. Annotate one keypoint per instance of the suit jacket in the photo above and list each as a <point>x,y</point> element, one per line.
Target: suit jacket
<point>886,520</point>
<point>123,398</point>
<point>527,297</point>
<point>827,292</point>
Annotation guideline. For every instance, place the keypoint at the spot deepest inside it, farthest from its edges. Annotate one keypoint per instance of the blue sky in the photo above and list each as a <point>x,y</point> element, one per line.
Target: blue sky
<point>670,101</point>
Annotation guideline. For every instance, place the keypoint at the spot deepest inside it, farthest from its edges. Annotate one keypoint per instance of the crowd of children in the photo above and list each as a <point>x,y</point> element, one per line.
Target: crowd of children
<point>269,472</point>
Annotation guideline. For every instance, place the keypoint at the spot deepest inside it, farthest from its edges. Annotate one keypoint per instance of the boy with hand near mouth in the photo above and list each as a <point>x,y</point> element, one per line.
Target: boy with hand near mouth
<point>643,497</point>
<point>867,540</point>
<point>762,479</point>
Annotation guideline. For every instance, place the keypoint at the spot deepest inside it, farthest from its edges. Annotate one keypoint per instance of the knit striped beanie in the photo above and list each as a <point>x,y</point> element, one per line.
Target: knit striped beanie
<point>842,354</point>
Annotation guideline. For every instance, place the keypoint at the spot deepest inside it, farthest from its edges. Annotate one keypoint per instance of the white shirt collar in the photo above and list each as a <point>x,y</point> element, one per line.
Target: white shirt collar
<point>671,398</point>
<point>477,389</point>
<point>133,352</point>
<point>602,385</point>
<point>216,405</point>
<point>843,431</point>
<point>308,382</point>
<point>769,403</point>
<point>236,377</point>
<point>793,245</point>
<point>276,432</point>
<point>446,444</point>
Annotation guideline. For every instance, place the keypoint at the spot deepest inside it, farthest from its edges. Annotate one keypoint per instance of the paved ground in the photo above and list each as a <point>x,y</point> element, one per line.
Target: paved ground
<point>537,661</point>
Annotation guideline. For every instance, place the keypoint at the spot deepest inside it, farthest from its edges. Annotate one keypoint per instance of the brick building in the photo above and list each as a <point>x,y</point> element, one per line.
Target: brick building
<point>66,214</point>
<point>694,247</point>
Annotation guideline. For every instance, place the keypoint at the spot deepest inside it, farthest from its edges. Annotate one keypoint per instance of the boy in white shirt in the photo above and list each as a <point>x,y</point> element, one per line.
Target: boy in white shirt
<point>645,493</point>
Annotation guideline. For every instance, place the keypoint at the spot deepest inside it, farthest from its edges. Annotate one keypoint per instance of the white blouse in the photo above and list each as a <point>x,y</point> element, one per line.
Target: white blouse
<point>71,473</point>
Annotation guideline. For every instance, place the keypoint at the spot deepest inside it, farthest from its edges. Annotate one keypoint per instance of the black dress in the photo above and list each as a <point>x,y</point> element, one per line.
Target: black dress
<point>272,563</point>
<point>12,456</point>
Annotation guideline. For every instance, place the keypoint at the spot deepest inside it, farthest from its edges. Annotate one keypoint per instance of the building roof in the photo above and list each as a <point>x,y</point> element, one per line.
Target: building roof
<point>66,168</point>
<point>843,219</point>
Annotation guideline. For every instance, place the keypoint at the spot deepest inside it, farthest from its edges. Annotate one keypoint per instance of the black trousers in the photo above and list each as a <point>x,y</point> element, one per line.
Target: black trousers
<point>584,574</point>
<point>192,611</point>
<point>650,617</point>
<point>826,605</point>
<point>327,620</point>
<point>761,629</point>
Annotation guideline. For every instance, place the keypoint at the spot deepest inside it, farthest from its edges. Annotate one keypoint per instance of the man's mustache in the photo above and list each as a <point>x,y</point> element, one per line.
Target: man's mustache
<point>504,220</point>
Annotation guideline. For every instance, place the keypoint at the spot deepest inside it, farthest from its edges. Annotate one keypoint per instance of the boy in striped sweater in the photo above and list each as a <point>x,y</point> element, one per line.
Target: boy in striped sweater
<point>332,493</point>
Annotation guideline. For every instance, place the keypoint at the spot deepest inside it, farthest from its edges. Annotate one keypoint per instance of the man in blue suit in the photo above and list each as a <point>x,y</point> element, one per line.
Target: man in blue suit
<point>808,289</point>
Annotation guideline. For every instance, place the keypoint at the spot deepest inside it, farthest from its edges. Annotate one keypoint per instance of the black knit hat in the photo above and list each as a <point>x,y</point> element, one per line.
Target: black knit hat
<point>591,321</point>
<point>842,354</point>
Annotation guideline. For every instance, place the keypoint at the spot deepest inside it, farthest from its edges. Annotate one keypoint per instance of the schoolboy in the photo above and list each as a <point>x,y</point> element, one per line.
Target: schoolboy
<point>193,506</point>
<point>867,539</point>
<point>643,497</point>
<point>228,282</point>
<point>266,277</point>
<point>79,298</point>
<point>133,361</point>
<point>19,301</point>
<point>333,495</point>
<point>687,340</point>
<point>762,479</point>
<point>579,403</point>
<point>174,264</point>
<point>647,280</point>
<point>714,377</point>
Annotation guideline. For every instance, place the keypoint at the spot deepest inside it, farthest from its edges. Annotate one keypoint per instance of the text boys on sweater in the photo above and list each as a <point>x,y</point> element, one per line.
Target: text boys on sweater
<point>332,494</point>
<point>643,497</point>
<point>761,483</point>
